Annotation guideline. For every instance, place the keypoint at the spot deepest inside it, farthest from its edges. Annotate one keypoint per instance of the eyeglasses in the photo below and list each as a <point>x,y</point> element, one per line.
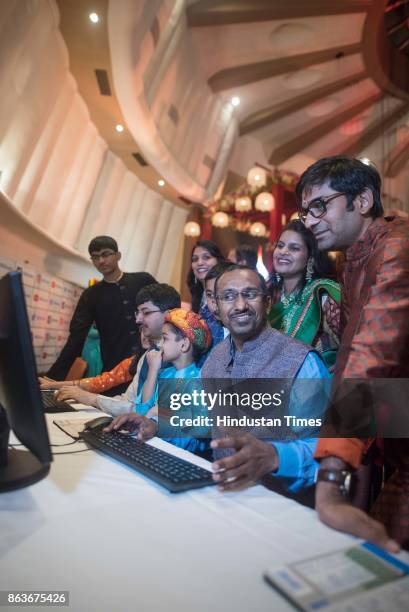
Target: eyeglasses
<point>144,313</point>
<point>249,295</point>
<point>318,207</point>
<point>103,255</point>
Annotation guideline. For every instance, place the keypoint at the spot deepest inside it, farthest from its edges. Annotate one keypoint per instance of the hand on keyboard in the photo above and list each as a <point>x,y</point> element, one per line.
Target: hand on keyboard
<point>79,395</point>
<point>145,427</point>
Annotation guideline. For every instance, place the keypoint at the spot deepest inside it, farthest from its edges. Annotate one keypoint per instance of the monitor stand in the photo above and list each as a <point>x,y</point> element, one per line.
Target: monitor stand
<point>18,468</point>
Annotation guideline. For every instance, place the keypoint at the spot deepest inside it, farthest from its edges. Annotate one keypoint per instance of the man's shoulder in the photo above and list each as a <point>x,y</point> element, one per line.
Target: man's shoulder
<point>274,336</point>
<point>218,353</point>
<point>90,292</point>
<point>393,244</point>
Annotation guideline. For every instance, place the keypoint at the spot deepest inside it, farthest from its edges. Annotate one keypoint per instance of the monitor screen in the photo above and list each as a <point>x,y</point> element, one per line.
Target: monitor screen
<point>21,406</point>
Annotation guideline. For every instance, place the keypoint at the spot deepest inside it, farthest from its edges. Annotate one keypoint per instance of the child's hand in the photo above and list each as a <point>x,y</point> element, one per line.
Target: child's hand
<point>154,359</point>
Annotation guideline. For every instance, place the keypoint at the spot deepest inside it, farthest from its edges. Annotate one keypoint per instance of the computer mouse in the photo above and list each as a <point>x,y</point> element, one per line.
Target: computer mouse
<point>98,423</point>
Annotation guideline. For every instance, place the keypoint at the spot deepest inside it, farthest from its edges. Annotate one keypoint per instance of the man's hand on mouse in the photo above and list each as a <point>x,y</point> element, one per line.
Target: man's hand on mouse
<point>146,428</point>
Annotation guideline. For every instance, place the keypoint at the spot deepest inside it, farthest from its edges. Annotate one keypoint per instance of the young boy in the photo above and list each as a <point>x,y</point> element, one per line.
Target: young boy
<point>185,337</point>
<point>209,311</point>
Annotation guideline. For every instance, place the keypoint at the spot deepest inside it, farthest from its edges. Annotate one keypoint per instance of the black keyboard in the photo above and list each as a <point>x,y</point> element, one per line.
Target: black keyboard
<point>171,472</point>
<point>51,404</point>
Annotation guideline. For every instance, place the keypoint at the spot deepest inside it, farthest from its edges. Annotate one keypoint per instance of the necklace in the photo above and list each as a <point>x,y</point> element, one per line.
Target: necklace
<point>286,300</point>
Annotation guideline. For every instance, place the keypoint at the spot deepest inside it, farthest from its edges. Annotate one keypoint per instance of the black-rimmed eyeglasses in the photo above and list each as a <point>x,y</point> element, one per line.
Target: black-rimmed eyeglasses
<point>104,255</point>
<point>317,208</point>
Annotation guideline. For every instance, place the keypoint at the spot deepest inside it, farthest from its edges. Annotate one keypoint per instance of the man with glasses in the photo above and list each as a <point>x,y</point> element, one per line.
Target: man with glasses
<point>152,302</point>
<point>340,202</point>
<point>110,304</point>
<point>256,351</point>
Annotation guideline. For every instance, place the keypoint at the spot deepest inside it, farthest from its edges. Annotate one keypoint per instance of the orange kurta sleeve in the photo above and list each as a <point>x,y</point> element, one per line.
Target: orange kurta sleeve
<point>348,449</point>
<point>118,375</point>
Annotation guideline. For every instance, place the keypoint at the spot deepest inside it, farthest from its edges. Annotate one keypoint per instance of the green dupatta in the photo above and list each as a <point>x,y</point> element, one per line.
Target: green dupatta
<point>301,318</point>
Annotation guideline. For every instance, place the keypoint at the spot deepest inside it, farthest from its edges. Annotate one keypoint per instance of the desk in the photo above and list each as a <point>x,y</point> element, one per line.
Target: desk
<point>119,542</point>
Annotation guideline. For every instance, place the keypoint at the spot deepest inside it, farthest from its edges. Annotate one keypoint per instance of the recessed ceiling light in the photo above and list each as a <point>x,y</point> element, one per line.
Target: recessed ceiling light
<point>235,100</point>
<point>161,183</point>
<point>119,128</point>
<point>93,17</point>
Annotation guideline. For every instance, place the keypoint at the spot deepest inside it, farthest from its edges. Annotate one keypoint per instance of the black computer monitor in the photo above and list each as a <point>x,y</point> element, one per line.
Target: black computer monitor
<point>21,408</point>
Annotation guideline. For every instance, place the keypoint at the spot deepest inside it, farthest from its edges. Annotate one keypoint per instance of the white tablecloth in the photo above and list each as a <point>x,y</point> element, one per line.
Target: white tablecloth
<point>119,542</point>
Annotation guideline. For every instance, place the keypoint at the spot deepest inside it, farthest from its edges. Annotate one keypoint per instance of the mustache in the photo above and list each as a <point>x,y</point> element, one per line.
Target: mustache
<point>238,312</point>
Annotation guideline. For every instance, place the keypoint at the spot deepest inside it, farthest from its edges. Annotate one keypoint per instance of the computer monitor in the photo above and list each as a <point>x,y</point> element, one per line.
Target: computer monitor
<point>21,408</point>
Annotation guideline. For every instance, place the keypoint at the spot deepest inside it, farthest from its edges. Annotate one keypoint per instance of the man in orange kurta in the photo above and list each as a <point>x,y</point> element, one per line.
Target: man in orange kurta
<point>340,202</point>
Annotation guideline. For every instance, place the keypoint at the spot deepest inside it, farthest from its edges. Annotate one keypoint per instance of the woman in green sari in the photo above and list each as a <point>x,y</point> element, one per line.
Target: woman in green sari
<point>306,301</point>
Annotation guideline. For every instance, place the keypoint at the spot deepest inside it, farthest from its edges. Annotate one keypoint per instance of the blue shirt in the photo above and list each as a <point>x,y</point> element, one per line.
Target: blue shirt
<point>297,466</point>
<point>191,372</point>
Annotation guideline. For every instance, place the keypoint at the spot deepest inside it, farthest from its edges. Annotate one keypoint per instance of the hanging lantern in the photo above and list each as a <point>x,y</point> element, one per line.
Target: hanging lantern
<point>264,202</point>
<point>283,219</point>
<point>192,229</point>
<point>220,219</point>
<point>242,204</point>
<point>258,229</point>
<point>257,177</point>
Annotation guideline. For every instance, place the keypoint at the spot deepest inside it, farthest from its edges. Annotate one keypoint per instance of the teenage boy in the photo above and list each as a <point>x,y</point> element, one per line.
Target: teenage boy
<point>110,304</point>
<point>209,311</point>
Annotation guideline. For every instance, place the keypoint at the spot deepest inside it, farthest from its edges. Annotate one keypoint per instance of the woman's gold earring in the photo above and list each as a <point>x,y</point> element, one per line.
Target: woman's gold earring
<point>310,269</point>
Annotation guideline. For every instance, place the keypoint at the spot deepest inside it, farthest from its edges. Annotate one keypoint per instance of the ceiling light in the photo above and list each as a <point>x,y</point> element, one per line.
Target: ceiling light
<point>161,183</point>
<point>93,17</point>
<point>235,100</point>
<point>192,229</point>
<point>220,219</point>
<point>119,128</point>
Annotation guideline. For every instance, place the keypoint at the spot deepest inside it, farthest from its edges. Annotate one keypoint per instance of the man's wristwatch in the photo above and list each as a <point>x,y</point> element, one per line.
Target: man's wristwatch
<point>342,478</point>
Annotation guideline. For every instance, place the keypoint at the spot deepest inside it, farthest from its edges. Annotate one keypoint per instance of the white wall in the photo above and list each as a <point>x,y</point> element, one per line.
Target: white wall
<point>55,168</point>
<point>193,151</point>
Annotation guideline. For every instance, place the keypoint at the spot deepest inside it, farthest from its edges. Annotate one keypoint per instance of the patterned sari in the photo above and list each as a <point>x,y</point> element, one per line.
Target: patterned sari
<point>312,317</point>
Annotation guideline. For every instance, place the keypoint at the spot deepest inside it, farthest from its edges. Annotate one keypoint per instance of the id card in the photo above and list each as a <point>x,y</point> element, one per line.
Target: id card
<point>358,579</point>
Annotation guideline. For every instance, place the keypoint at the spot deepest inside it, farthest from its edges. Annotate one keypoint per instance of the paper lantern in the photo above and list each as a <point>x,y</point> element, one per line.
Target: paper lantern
<point>192,229</point>
<point>257,177</point>
<point>220,219</point>
<point>264,202</point>
<point>242,204</point>
<point>258,229</point>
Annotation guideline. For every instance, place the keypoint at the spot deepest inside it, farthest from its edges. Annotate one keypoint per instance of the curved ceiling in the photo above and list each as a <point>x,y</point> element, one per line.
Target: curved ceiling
<point>314,78</point>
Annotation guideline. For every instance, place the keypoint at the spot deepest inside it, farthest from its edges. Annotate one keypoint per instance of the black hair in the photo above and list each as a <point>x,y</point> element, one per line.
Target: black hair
<point>196,288</point>
<point>323,265</point>
<point>163,296</point>
<point>196,351</point>
<point>346,175</point>
<point>232,267</point>
<point>217,270</point>
<point>102,242</point>
<point>248,254</point>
